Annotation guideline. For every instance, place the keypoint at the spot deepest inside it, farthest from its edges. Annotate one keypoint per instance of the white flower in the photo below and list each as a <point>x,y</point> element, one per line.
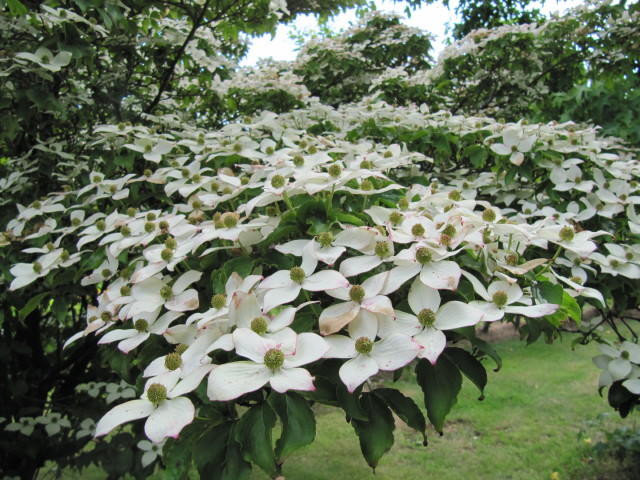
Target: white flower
<point>514,146</point>
<point>152,451</point>
<point>269,363</point>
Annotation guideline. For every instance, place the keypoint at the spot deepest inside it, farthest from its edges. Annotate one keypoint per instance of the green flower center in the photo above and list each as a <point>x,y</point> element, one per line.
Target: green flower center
<point>624,354</point>
<point>277,181</point>
<point>395,217</point>
<point>125,290</point>
<point>445,240</point>
<point>157,393</point>
<point>388,154</point>
<point>567,233</point>
<point>366,164</point>
<point>166,292</point>
<point>181,348</point>
<point>423,255</point>
<point>512,260</point>
<point>259,325</point>
<point>101,225</point>
<point>403,204</point>
<point>171,243</point>
<point>628,256</point>
<point>326,239</point>
<point>151,216</point>
<point>312,149</point>
<point>105,272</point>
<point>298,160</point>
<point>427,317</point>
<point>500,298</point>
<point>173,361</point>
<point>272,212</point>
<point>274,359</point>
<point>455,195</point>
<point>449,230</point>
<point>335,170</point>
<point>166,254</point>
<point>237,148</point>
<point>270,150</point>
<point>75,222</point>
<point>230,221</point>
<point>356,293</point>
<point>577,280</point>
<point>417,230</point>
<point>366,185</point>
<point>141,325</point>
<point>125,230</point>
<point>364,345</point>
<point>614,263</point>
<point>489,215</point>
<point>383,250</point>
<point>105,316</point>
<point>297,274</point>
<point>147,172</point>
<point>149,227</point>
<point>218,301</point>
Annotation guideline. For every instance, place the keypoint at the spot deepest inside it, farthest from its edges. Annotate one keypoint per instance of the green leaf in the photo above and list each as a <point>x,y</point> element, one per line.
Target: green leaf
<point>176,454</point>
<point>570,307</point>
<point>440,384</point>
<point>350,219</point>
<point>253,431</point>
<point>31,305</point>
<point>350,402</point>
<point>298,423</point>
<point>470,366</point>
<point>16,8</point>
<point>477,155</point>
<point>547,292</point>
<point>488,349</point>
<point>376,432</point>
<point>405,408</point>
<point>219,456</point>
<point>316,226</point>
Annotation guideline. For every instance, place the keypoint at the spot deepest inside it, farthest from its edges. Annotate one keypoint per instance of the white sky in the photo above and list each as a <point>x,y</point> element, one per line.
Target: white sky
<point>433,18</point>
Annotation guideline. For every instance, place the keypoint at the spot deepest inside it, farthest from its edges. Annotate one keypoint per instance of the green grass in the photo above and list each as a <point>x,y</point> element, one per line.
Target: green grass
<point>526,428</point>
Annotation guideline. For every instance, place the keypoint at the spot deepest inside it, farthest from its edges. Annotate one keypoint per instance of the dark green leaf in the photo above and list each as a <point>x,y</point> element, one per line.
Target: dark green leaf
<point>219,456</point>
<point>253,431</point>
<point>32,304</point>
<point>376,432</point>
<point>298,423</point>
<point>440,384</point>
<point>405,408</point>
<point>470,366</point>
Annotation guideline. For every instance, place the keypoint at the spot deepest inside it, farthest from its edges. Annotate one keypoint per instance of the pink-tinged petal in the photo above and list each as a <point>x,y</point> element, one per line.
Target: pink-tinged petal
<point>129,344</point>
<point>433,342</point>
<point>144,306</point>
<point>162,324</point>
<point>533,311</point>
<point>404,323</point>
<point>185,301</point>
<point>294,247</point>
<point>282,319</point>
<point>456,315</point>
<point>374,284</point>
<point>357,265</point>
<point>527,144</point>
<point>168,379</point>
<point>309,258</point>
<point>285,340</point>
<point>516,158</point>
<point>379,304</point>
<point>365,324</point>
<point>232,380</point>
<point>333,318</point>
<point>244,308</point>
<point>478,287</point>
<point>117,335</point>
<point>340,346</point>
<point>155,368</point>
<point>185,280</point>
<point>279,296</point>
<point>421,296</point>
<point>356,371</point>
<point>147,272</point>
<point>126,412</point>
<point>490,311</point>
<point>443,275</point>
<point>397,276</point>
<point>339,293</point>
<point>291,379</point>
<point>225,342</point>
<point>191,381</point>
<point>325,280</point>
<point>513,291</point>
<point>147,290</point>
<point>329,255</point>
<point>394,351</point>
<point>309,348</point>
<point>23,280</point>
<point>281,278</point>
<point>169,419</point>
<point>251,345</point>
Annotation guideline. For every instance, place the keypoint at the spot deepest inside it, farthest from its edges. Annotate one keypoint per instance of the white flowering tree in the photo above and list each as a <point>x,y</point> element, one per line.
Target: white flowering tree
<point>202,252</point>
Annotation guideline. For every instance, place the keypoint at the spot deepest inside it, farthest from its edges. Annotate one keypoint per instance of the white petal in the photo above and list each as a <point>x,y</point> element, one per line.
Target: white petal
<point>443,275</point>
<point>633,385</point>
<point>533,311</point>
<point>490,311</point>
<point>191,382</point>
<point>395,351</point>
<point>340,346</point>
<point>309,348</point>
<point>130,343</point>
<point>619,368</point>
<point>455,315</point>
<point>282,319</point>
<point>356,265</point>
<point>397,276</point>
<point>325,280</point>
<point>279,296</point>
<point>251,345</point>
<point>185,301</point>
<point>421,296</point>
<point>513,291</point>
<point>379,304</point>
<point>123,413</point>
<point>334,317</point>
<point>281,278</point>
<point>169,419</point>
<point>185,280</point>
<point>291,379</point>
<point>374,284</point>
<point>356,371</point>
<point>365,324</point>
<point>433,342</point>
<point>232,380</point>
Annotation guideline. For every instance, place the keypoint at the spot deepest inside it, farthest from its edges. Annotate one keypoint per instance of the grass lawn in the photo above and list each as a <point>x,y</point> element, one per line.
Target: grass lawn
<point>526,428</point>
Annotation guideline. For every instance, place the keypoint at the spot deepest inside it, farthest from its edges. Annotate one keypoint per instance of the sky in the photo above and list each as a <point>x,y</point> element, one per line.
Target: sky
<point>433,18</point>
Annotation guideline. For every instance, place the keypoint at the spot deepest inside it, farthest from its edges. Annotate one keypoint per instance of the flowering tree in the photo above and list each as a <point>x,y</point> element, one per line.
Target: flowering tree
<point>215,249</point>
